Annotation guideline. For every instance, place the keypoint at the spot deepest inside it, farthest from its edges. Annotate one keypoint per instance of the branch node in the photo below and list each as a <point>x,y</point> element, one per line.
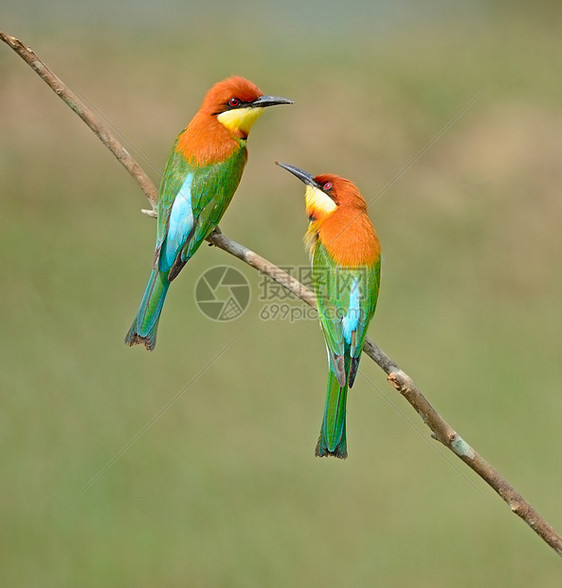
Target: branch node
<point>460,446</point>
<point>515,507</point>
<point>394,381</point>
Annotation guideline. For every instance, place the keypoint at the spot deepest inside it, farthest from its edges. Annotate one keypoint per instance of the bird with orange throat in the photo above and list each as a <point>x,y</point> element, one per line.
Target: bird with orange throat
<point>200,178</point>
<point>346,263</point>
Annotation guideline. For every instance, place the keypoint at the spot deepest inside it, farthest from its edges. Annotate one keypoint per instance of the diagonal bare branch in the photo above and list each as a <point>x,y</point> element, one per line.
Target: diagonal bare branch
<point>441,430</point>
<point>85,113</point>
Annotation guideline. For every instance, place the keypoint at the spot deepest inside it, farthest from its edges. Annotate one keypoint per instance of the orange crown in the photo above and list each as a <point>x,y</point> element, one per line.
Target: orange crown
<point>205,140</point>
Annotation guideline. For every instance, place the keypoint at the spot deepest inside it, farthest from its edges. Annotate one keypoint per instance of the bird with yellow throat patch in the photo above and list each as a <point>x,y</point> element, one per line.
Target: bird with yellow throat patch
<point>346,262</point>
<point>200,178</point>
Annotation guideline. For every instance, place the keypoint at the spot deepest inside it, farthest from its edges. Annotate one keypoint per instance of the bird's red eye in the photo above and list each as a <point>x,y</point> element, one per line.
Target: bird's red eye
<point>327,186</point>
<point>233,102</point>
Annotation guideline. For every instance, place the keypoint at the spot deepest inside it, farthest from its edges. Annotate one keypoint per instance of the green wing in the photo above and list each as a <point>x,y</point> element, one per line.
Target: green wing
<point>212,191</point>
<point>205,192</point>
<point>346,299</point>
<point>176,170</point>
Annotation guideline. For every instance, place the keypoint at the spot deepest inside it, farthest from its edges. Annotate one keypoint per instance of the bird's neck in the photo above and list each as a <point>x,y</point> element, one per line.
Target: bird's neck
<point>348,236</point>
<point>206,141</point>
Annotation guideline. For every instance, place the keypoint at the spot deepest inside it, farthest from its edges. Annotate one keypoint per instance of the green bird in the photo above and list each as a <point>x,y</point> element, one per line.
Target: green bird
<point>346,262</point>
<point>200,178</point>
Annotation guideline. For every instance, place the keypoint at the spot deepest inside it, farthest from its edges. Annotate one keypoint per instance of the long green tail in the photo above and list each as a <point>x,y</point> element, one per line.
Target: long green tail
<point>332,440</point>
<point>143,329</point>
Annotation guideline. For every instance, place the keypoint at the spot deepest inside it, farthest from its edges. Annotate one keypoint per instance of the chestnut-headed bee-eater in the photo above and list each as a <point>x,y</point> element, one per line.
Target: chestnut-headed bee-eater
<point>346,262</point>
<point>200,178</point>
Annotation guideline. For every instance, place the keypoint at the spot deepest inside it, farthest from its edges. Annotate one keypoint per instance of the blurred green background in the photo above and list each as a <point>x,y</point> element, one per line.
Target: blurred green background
<point>223,489</point>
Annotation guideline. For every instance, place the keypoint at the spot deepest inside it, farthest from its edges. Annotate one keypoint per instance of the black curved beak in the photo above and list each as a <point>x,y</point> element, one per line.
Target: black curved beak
<point>303,176</point>
<point>264,101</point>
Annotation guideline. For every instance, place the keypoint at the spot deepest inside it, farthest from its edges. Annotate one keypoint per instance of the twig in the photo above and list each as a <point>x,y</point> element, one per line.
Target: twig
<point>85,113</point>
<point>441,430</point>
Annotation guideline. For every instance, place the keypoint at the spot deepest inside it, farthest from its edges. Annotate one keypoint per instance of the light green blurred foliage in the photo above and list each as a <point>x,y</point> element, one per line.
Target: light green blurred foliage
<point>223,489</point>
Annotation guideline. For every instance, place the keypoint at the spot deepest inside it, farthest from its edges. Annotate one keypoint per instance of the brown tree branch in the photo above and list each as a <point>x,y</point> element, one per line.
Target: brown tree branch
<point>441,430</point>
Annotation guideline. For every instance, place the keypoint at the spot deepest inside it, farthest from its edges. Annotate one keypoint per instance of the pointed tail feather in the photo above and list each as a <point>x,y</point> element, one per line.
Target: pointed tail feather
<point>332,440</point>
<point>143,329</point>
